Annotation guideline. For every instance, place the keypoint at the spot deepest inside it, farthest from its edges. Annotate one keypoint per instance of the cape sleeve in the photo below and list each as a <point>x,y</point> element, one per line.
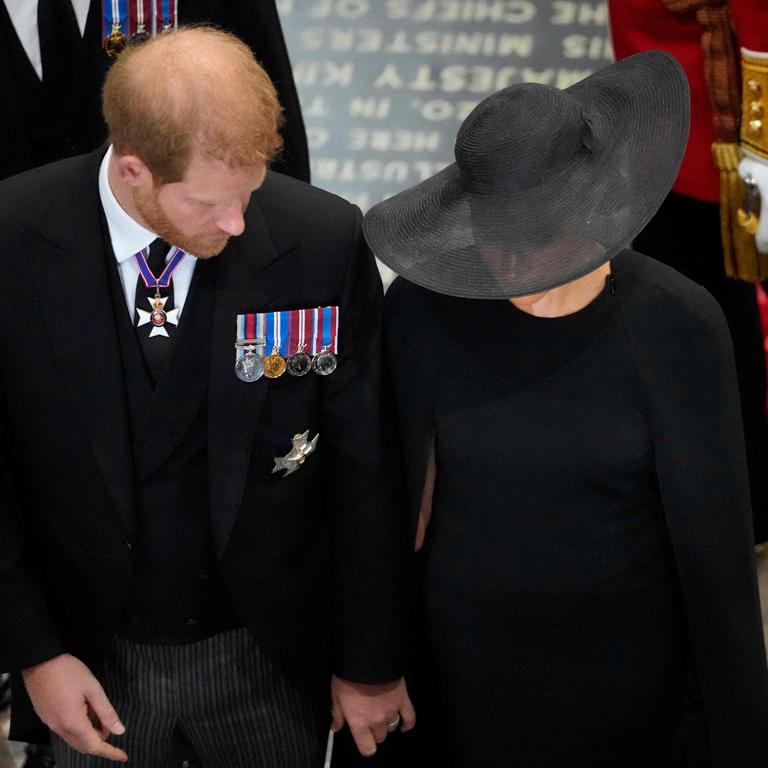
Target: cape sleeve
<point>685,363</point>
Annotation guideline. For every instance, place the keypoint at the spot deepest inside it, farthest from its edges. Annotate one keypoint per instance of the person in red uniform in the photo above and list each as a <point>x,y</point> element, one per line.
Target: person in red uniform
<point>686,231</point>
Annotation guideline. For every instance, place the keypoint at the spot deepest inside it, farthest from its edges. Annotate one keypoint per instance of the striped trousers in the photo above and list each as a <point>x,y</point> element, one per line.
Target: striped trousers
<point>221,695</point>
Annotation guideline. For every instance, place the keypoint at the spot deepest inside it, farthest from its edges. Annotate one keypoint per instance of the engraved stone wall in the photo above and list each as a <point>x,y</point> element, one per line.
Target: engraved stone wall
<point>384,84</point>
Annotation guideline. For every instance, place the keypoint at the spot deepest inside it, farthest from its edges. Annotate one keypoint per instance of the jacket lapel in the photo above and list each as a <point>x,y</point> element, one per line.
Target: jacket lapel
<point>251,276</point>
<point>70,276</point>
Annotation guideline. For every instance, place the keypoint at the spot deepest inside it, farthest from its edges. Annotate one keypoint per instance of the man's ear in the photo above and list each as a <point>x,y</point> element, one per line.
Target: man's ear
<point>132,171</point>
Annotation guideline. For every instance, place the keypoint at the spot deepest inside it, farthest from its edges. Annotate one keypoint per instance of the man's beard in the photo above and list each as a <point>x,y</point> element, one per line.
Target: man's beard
<point>201,246</point>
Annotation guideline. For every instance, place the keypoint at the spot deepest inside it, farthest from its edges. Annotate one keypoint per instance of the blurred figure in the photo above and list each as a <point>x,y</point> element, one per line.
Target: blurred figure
<point>53,63</point>
<point>692,231</point>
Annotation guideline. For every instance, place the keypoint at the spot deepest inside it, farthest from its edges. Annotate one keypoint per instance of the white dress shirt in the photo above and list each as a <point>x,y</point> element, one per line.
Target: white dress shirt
<point>23,15</point>
<point>128,238</point>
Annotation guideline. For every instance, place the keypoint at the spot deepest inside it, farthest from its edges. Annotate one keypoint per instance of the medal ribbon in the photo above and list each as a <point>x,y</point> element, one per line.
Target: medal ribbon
<point>165,279</point>
<point>315,329</point>
<point>297,333</point>
<point>276,323</point>
<point>113,13</point>
<point>242,335</point>
<point>325,331</point>
<point>288,331</point>
<point>166,15</point>
<point>261,331</point>
<point>140,17</point>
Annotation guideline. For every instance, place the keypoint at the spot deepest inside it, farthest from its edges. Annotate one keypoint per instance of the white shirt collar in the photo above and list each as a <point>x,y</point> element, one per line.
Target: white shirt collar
<point>127,235</point>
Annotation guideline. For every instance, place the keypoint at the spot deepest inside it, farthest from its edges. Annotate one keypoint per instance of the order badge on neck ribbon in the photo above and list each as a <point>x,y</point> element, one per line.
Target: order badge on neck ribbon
<point>158,316</point>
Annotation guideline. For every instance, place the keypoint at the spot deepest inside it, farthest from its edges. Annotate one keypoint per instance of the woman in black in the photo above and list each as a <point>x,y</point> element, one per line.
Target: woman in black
<point>571,426</point>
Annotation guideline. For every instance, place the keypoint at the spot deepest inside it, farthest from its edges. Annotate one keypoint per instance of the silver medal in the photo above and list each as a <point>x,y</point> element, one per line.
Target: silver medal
<point>299,364</point>
<point>324,363</point>
<point>249,367</point>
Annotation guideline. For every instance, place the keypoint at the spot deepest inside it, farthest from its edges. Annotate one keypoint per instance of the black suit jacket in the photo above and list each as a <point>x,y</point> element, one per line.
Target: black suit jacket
<point>310,560</point>
<point>256,22</point>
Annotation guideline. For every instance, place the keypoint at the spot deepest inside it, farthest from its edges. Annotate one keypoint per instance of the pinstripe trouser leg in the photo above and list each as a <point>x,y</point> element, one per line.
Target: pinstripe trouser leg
<point>233,706</point>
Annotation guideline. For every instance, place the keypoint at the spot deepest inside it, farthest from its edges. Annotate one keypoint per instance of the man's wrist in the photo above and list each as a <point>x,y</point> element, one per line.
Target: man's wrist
<point>32,668</point>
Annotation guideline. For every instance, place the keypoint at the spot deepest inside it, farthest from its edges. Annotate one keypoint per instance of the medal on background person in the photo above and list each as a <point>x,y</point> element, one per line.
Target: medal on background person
<point>114,17</point>
<point>140,20</point>
<point>166,15</point>
<point>135,21</point>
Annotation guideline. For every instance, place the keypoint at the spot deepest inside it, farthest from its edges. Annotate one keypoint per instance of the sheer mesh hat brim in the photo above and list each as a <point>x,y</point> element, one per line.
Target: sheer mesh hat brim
<point>561,213</point>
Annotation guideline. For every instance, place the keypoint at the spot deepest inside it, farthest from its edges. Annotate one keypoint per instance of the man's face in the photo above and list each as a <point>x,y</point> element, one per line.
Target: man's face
<point>202,211</point>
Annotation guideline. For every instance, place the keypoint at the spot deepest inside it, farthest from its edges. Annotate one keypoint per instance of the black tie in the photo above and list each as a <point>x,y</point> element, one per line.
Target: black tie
<point>155,347</point>
<point>60,44</point>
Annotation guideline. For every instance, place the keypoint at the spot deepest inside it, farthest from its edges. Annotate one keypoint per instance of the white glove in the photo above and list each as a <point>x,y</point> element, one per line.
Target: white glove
<point>755,170</point>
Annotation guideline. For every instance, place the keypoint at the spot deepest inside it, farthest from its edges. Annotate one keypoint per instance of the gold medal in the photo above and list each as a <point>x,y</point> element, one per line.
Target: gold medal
<point>115,42</point>
<point>274,365</point>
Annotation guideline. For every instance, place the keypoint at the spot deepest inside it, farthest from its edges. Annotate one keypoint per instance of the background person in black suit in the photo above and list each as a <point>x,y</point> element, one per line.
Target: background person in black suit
<point>52,67</point>
<point>142,524</point>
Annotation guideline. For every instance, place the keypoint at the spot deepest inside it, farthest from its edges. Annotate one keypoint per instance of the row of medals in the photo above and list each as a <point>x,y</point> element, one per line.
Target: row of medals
<point>116,42</point>
<point>252,366</point>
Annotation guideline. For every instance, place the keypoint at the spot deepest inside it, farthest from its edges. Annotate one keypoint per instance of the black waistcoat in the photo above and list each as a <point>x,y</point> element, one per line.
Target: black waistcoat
<point>51,124</point>
<point>177,595</point>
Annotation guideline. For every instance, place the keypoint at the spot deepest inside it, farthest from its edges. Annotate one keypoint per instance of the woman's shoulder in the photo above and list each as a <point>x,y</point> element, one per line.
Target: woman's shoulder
<point>410,308</point>
<point>658,295</point>
<point>664,312</point>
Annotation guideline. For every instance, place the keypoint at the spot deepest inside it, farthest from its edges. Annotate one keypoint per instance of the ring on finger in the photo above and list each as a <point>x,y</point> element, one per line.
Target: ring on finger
<point>391,726</point>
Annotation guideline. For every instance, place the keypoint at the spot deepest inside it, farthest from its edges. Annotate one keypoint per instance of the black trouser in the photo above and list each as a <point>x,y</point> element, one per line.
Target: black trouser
<point>220,699</point>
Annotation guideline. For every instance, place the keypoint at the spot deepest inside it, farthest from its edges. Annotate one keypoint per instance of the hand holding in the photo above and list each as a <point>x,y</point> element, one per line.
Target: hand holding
<point>371,711</point>
<point>72,703</point>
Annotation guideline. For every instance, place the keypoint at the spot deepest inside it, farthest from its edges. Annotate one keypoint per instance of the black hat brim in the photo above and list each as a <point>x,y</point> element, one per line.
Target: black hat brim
<point>442,237</point>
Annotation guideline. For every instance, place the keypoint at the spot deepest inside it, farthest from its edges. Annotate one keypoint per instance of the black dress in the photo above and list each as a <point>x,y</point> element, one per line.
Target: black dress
<point>588,561</point>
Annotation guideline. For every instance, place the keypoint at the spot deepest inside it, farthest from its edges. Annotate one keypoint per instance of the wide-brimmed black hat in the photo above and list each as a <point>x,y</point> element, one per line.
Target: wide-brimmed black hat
<point>548,184</point>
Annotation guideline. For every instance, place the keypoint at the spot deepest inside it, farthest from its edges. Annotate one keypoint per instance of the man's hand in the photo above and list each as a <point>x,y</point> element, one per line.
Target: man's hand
<point>371,711</point>
<point>755,168</point>
<point>72,703</point>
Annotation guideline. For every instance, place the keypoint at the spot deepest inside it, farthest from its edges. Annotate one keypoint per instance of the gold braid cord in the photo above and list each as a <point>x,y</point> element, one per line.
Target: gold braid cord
<point>754,125</point>
<point>721,71</point>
